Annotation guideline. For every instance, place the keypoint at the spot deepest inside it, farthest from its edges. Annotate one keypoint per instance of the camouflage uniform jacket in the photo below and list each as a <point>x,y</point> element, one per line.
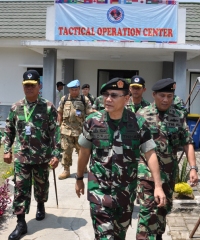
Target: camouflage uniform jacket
<point>169,131</point>
<point>135,107</point>
<point>115,151</point>
<point>44,141</point>
<point>91,98</point>
<point>98,103</point>
<point>180,105</point>
<point>74,112</point>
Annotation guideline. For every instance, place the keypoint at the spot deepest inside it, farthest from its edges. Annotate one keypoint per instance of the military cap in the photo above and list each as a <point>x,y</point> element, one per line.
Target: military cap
<point>164,85</point>
<point>115,84</point>
<point>60,84</point>
<point>137,81</point>
<point>73,84</point>
<point>85,86</point>
<point>31,77</point>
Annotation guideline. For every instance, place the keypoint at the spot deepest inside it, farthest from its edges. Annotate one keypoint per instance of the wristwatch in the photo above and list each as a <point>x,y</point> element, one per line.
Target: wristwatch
<point>194,167</point>
<point>78,178</point>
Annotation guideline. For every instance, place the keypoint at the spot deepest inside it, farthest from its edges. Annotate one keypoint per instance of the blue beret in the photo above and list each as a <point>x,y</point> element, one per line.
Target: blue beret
<point>73,84</point>
<point>115,84</point>
<point>164,85</point>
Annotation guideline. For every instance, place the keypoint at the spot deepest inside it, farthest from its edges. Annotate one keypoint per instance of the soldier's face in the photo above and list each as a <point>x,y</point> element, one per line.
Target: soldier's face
<point>115,104</point>
<point>137,92</point>
<point>85,91</point>
<point>74,92</point>
<point>163,100</point>
<point>31,91</point>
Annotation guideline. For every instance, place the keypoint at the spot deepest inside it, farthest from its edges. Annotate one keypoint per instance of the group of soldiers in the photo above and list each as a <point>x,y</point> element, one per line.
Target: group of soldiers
<point>131,144</point>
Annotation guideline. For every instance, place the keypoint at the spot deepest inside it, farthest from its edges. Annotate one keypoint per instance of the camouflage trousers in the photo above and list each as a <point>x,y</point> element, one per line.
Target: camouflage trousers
<point>25,175</point>
<point>110,223</point>
<point>152,219</point>
<point>68,143</point>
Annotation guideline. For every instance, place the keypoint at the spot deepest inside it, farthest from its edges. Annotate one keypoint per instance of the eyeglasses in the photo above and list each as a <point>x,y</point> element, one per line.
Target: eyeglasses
<point>112,95</point>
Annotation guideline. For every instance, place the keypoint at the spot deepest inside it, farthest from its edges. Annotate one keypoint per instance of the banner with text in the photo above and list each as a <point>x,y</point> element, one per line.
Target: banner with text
<point>107,22</point>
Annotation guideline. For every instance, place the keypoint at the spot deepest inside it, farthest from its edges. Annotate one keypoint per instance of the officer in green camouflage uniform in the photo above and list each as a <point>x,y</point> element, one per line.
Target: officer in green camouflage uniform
<point>85,91</point>
<point>113,137</point>
<point>98,103</point>
<point>32,126</point>
<point>71,115</point>
<point>169,131</point>
<point>137,88</point>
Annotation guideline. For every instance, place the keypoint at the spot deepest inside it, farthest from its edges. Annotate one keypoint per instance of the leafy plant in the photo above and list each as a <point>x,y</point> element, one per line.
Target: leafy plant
<point>182,187</point>
<point>9,172</point>
<point>4,197</point>
<point>182,175</point>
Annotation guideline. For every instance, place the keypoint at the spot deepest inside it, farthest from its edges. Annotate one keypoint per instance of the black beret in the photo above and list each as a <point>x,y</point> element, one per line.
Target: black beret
<point>164,85</point>
<point>137,81</point>
<point>85,86</point>
<point>60,84</point>
<point>31,77</point>
<point>115,84</point>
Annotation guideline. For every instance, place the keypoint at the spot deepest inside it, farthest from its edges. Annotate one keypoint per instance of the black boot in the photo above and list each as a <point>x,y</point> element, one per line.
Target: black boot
<point>159,237</point>
<point>40,213</point>
<point>20,229</point>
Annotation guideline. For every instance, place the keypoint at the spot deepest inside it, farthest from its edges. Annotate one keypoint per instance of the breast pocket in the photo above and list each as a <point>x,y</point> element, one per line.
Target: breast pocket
<point>101,149</point>
<point>155,133</point>
<point>66,110</point>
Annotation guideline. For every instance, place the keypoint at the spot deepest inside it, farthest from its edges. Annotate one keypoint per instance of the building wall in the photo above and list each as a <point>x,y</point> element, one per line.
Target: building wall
<point>13,63</point>
<point>86,71</point>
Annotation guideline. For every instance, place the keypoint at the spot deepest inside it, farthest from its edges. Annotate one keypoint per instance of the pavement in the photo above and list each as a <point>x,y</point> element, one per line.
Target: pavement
<point>71,219</point>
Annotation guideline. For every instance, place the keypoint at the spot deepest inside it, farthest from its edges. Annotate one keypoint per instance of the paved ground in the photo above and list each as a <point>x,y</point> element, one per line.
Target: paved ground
<point>71,220</point>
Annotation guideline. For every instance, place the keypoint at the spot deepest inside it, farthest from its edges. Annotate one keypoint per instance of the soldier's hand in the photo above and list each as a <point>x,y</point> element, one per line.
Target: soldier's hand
<point>7,157</point>
<point>79,187</point>
<point>54,162</point>
<point>193,178</point>
<point>159,196</point>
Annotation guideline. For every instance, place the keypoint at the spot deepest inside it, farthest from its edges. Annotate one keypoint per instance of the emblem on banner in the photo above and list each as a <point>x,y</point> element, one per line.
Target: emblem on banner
<point>115,14</point>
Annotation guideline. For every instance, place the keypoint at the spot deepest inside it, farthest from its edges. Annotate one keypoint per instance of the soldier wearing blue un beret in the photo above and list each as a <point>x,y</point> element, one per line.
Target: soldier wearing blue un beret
<point>71,112</point>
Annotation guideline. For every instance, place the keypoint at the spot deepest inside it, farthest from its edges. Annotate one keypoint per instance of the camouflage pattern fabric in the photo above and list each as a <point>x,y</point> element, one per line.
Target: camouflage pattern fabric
<point>169,131</point>
<point>152,220</point>
<point>44,141</point>
<point>180,105</point>
<point>68,143</point>
<point>135,107</point>
<point>74,112</point>
<point>104,226</point>
<point>98,103</point>
<point>115,154</point>
<point>91,98</point>
<point>25,174</point>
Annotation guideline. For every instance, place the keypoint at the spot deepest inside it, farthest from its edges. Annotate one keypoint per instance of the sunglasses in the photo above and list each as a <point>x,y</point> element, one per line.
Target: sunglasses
<point>112,95</point>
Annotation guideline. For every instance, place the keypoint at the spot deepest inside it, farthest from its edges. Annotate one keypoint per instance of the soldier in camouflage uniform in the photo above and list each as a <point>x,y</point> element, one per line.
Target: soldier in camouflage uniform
<point>0,136</point>
<point>137,88</point>
<point>169,131</point>
<point>32,127</point>
<point>113,137</point>
<point>85,91</point>
<point>71,115</point>
<point>98,103</point>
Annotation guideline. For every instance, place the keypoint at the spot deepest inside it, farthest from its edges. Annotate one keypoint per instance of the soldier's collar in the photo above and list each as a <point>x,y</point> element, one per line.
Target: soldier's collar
<point>124,118</point>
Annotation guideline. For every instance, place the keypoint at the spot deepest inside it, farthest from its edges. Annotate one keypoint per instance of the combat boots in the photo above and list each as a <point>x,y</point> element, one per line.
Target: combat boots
<point>20,229</point>
<point>40,213</point>
<point>65,174</point>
